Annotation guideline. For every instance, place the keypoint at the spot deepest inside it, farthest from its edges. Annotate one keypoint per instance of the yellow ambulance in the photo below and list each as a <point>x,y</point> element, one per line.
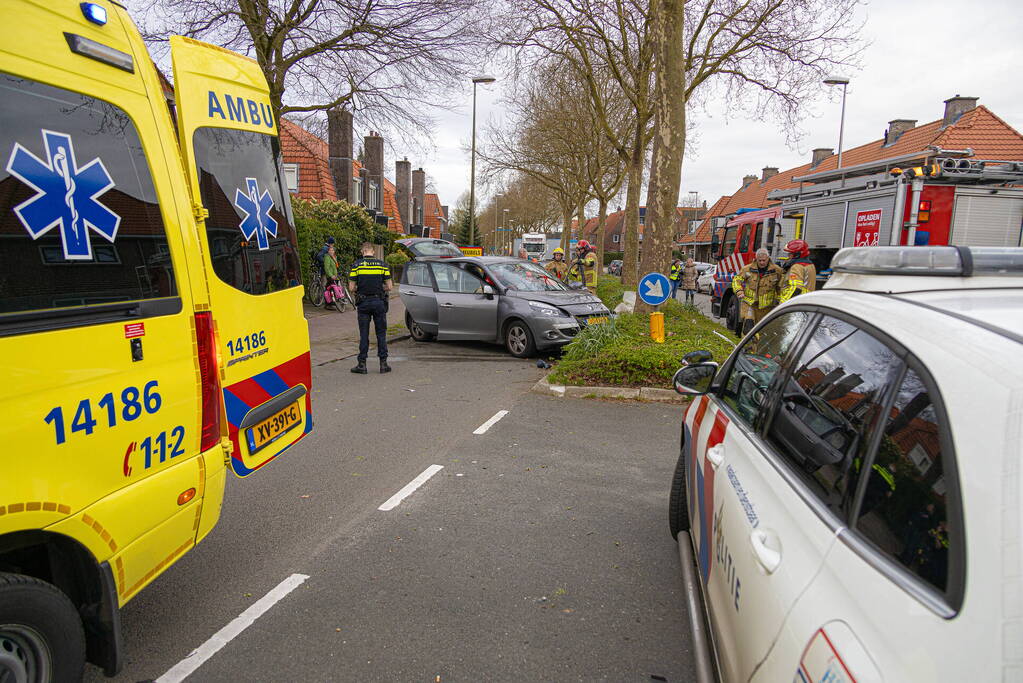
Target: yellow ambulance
<point>151,327</point>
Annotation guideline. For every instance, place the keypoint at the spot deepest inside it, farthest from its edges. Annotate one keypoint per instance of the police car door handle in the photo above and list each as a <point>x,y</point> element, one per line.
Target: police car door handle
<point>768,558</point>
<point>716,455</point>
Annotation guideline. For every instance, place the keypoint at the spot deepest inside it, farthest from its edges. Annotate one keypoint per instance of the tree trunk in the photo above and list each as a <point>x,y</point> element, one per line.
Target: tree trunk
<point>669,140</point>
<point>630,242</point>
<point>601,224</point>
<point>566,230</point>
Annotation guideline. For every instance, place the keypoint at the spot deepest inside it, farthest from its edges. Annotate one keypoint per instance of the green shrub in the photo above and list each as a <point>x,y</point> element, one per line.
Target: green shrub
<point>348,224</point>
<point>609,290</point>
<point>623,354</point>
<point>611,256</point>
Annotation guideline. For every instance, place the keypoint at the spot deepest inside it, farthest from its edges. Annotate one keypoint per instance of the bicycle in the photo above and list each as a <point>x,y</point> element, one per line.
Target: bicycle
<point>316,290</point>
<point>335,294</point>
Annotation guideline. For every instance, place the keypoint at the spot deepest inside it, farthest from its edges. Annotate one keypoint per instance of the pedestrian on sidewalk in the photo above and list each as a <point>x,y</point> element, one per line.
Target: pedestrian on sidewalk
<point>689,275</point>
<point>675,275</point>
<point>370,280</point>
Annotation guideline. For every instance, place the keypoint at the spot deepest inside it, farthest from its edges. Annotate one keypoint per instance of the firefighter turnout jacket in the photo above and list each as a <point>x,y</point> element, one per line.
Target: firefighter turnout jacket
<point>802,278</point>
<point>558,269</point>
<point>756,289</point>
<point>585,269</point>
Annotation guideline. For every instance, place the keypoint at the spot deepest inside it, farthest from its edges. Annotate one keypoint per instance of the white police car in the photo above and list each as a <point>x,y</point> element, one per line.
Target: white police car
<point>847,496</point>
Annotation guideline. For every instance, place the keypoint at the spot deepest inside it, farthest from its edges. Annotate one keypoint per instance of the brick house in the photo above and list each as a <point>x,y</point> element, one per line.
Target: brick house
<point>309,176</point>
<point>964,125</point>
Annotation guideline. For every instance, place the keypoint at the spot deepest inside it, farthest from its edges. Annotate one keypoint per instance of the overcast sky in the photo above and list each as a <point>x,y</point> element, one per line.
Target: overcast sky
<point>921,53</point>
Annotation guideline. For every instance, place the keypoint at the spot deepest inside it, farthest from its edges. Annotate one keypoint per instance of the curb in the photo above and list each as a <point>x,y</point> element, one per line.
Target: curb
<point>390,340</point>
<point>627,393</point>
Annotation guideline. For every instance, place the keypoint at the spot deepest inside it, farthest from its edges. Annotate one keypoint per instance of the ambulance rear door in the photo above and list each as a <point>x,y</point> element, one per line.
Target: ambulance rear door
<point>231,151</point>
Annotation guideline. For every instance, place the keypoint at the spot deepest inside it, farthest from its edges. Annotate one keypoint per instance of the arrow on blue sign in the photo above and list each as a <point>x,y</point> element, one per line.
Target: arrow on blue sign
<point>654,289</point>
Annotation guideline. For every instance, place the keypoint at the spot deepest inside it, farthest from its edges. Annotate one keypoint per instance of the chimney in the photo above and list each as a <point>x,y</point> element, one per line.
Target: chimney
<point>747,179</point>
<point>403,183</point>
<point>956,107</point>
<point>339,149</point>
<point>896,127</point>
<point>820,154</point>
<point>418,191</point>
<point>373,145</point>
<point>768,172</point>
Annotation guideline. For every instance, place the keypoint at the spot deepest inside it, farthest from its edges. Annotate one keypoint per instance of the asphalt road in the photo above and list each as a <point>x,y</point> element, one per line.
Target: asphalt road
<point>539,552</point>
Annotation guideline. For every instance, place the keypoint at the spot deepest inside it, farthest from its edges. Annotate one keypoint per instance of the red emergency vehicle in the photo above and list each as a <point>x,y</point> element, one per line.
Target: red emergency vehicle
<point>938,199</point>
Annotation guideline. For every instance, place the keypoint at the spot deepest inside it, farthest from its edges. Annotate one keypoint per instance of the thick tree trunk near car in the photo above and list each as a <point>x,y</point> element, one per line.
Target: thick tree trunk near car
<point>669,140</point>
<point>566,230</point>
<point>630,245</point>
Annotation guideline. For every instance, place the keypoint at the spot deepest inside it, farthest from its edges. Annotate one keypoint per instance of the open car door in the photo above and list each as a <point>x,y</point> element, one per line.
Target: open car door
<point>228,138</point>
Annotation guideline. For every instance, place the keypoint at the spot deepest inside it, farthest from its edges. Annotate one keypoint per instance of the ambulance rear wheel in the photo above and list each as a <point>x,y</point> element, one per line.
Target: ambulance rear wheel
<point>678,498</point>
<point>41,635</point>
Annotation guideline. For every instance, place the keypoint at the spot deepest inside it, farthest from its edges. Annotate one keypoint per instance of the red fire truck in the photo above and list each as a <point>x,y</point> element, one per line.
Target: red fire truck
<point>936,198</point>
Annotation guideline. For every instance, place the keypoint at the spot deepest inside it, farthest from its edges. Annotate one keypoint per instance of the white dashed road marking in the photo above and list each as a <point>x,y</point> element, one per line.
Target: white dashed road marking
<point>482,429</point>
<point>218,640</point>
<point>394,500</point>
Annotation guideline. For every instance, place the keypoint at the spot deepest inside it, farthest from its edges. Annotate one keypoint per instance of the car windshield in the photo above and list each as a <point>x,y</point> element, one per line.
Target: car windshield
<point>530,246</point>
<point>525,276</point>
<point>424,248</point>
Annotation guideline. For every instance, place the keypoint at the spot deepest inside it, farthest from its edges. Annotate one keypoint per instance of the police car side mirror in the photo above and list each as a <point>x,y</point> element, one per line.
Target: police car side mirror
<point>695,380</point>
<point>694,357</point>
<point>488,291</point>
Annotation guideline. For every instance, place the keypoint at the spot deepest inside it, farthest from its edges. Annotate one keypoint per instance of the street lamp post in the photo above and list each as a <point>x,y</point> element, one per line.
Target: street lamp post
<point>476,80</point>
<point>844,82</point>
<point>504,221</point>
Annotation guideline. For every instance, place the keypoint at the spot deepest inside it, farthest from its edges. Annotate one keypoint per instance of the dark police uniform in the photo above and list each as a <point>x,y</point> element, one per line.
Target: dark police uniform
<point>369,275</point>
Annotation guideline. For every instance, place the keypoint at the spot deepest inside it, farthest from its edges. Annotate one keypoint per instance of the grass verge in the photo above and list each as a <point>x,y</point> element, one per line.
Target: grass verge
<point>621,353</point>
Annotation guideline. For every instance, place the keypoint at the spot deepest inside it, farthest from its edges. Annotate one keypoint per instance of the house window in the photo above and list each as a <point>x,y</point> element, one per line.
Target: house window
<point>373,199</point>
<point>693,225</point>
<point>291,176</point>
<point>357,191</point>
<point>642,215</point>
<point>616,238</point>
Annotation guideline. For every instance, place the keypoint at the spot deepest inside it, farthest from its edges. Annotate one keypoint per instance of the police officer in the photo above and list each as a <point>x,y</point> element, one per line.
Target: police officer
<point>802,274</point>
<point>370,280</point>
<point>675,275</point>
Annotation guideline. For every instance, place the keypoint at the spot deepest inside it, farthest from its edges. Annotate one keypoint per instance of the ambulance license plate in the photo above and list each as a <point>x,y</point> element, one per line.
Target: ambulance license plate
<point>596,320</point>
<point>272,428</point>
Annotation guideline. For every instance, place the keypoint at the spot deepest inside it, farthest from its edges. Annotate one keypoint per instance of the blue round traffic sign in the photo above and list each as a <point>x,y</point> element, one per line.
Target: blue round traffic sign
<point>654,289</point>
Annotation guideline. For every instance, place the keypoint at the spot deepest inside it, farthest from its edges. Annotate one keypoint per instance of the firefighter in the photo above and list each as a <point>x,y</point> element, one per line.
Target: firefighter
<point>802,274</point>
<point>757,285</point>
<point>557,266</point>
<point>584,268</point>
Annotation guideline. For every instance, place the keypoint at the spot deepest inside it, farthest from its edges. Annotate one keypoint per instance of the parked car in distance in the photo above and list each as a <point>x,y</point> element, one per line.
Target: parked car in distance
<point>491,298</point>
<point>615,268</point>
<point>846,498</point>
<point>705,281</point>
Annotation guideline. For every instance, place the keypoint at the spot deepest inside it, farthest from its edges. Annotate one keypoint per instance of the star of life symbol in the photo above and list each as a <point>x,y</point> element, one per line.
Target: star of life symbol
<point>66,195</point>
<point>257,219</point>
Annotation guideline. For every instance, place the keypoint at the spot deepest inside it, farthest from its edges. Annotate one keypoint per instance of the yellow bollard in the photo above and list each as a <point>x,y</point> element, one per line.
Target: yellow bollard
<point>657,327</point>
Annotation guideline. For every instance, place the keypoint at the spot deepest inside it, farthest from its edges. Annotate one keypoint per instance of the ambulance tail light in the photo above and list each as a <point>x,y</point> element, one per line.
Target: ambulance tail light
<point>208,376</point>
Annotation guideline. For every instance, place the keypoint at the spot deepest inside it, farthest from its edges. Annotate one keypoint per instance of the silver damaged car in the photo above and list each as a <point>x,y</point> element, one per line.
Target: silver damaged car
<point>491,298</point>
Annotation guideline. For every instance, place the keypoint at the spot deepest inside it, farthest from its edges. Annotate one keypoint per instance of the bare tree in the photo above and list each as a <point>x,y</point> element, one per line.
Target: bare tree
<point>767,54</point>
<point>385,58</point>
<point>599,39</point>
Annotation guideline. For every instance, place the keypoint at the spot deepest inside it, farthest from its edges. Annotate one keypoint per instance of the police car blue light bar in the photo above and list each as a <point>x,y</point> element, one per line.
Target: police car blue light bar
<point>934,261</point>
<point>97,14</point>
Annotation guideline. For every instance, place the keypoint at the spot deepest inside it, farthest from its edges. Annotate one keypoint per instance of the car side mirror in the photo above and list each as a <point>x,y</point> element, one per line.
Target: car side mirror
<point>574,284</point>
<point>695,380</point>
<point>715,243</point>
<point>694,357</point>
<point>488,291</point>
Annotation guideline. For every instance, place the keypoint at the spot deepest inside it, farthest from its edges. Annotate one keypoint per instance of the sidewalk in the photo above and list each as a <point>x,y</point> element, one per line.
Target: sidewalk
<point>333,335</point>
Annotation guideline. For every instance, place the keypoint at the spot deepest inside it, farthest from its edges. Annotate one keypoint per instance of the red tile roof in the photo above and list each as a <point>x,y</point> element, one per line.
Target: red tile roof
<point>978,129</point>
<point>299,146</point>
<point>433,215</point>
<point>702,234</point>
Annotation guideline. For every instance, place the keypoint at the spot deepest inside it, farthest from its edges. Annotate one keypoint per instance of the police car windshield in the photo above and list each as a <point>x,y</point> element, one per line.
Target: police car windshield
<point>526,277</point>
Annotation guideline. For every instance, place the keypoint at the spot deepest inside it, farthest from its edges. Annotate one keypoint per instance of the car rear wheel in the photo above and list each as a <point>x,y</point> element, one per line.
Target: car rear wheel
<point>678,500</point>
<point>519,339</point>
<point>417,332</point>
<point>41,635</point>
